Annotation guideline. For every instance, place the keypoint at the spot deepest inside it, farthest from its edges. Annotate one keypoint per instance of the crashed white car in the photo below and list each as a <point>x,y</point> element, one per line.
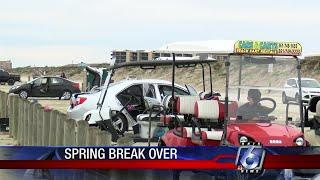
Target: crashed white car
<point>124,97</point>
<point>309,87</point>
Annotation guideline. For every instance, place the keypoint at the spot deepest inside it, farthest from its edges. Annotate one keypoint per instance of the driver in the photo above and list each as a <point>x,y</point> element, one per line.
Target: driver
<point>250,110</point>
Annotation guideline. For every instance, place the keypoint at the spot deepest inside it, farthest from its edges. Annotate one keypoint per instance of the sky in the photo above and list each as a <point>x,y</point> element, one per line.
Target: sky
<point>52,33</point>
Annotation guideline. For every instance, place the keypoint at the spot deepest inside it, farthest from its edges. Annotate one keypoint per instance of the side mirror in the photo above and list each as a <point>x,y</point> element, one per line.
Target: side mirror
<point>294,85</point>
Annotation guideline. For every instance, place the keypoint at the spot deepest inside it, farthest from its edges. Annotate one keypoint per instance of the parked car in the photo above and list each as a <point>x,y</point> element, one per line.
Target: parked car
<point>6,77</point>
<point>309,87</point>
<point>126,93</point>
<point>47,86</point>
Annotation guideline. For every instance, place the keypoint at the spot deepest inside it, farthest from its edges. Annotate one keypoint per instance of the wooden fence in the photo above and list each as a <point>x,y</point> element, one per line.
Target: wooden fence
<point>31,124</point>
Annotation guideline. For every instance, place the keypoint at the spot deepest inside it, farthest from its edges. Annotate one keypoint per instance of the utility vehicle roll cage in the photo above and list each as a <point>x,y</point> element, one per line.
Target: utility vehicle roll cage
<point>241,48</point>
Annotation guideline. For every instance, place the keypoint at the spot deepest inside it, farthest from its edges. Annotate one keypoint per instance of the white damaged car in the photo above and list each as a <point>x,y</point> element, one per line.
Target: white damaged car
<point>125,97</point>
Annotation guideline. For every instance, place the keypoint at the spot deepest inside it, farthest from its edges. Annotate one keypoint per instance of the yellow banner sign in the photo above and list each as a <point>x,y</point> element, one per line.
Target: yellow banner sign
<point>268,48</point>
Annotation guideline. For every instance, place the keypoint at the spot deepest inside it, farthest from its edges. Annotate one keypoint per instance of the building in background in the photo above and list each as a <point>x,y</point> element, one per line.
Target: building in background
<point>217,49</point>
<point>6,65</point>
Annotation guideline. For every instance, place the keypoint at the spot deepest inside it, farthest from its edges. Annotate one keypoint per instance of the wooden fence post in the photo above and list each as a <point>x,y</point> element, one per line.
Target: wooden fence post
<point>5,98</point>
<point>20,123</point>
<point>46,127</point>
<point>91,136</point>
<point>11,115</point>
<point>35,117</point>
<point>60,129</point>
<point>30,123</point>
<point>15,117</point>
<point>53,127</point>
<point>81,135</point>
<point>40,115</point>
<point>25,122</point>
<point>69,138</point>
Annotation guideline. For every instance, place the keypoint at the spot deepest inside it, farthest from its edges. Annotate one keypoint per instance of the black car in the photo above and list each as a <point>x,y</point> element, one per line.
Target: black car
<point>5,77</point>
<point>47,87</point>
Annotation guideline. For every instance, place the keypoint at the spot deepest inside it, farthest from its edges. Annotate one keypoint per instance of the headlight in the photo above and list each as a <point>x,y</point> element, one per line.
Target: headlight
<point>243,139</point>
<point>299,141</point>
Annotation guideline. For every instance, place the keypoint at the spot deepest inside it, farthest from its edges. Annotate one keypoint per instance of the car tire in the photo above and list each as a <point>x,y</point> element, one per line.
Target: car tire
<point>120,123</point>
<point>66,95</point>
<point>284,98</point>
<point>23,94</point>
<point>10,82</point>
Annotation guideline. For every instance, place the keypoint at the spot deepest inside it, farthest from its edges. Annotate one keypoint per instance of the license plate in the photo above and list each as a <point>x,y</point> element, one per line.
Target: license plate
<point>7,128</point>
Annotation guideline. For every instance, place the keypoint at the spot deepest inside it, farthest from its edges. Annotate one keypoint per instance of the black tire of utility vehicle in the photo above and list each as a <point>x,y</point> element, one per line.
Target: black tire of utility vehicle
<point>10,82</point>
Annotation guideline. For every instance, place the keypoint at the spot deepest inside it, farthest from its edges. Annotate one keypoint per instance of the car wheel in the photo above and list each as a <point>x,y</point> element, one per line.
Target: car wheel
<point>284,98</point>
<point>66,95</point>
<point>10,82</point>
<point>120,123</point>
<point>23,94</point>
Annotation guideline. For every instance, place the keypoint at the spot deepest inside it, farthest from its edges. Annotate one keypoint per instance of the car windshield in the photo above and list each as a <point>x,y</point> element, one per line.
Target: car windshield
<point>310,83</point>
<point>33,80</point>
<point>256,90</point>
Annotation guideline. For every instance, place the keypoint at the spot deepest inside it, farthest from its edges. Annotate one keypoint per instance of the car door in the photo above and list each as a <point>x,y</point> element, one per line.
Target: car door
<point>93,77</point>
<point>291,86</point>
<point>132,100</point>
<point>55,87</point>
<point>39,87</point>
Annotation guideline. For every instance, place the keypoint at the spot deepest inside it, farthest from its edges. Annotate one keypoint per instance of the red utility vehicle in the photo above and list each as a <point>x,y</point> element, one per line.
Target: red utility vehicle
<point>252,110</point>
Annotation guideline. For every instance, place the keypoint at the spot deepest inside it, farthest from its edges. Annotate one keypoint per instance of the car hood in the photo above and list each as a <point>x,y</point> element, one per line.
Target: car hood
<point>18,87</point>
<point>313,90</point>
<point>269,134</point>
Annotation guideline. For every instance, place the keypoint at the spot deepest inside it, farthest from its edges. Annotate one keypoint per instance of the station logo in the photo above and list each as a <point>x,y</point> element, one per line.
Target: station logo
<point>250,158</point>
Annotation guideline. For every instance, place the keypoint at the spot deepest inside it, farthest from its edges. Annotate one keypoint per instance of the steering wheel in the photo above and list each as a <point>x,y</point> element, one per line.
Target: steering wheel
<point>263,110</point>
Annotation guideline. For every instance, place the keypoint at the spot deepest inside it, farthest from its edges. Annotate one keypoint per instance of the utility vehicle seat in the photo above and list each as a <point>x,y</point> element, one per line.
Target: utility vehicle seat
<point>185,104</point>
<point>207,110</point>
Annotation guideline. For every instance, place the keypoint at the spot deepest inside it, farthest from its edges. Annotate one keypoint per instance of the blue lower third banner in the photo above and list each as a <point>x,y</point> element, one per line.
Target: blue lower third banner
<point>257,161</point>
<point>219,157</point>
